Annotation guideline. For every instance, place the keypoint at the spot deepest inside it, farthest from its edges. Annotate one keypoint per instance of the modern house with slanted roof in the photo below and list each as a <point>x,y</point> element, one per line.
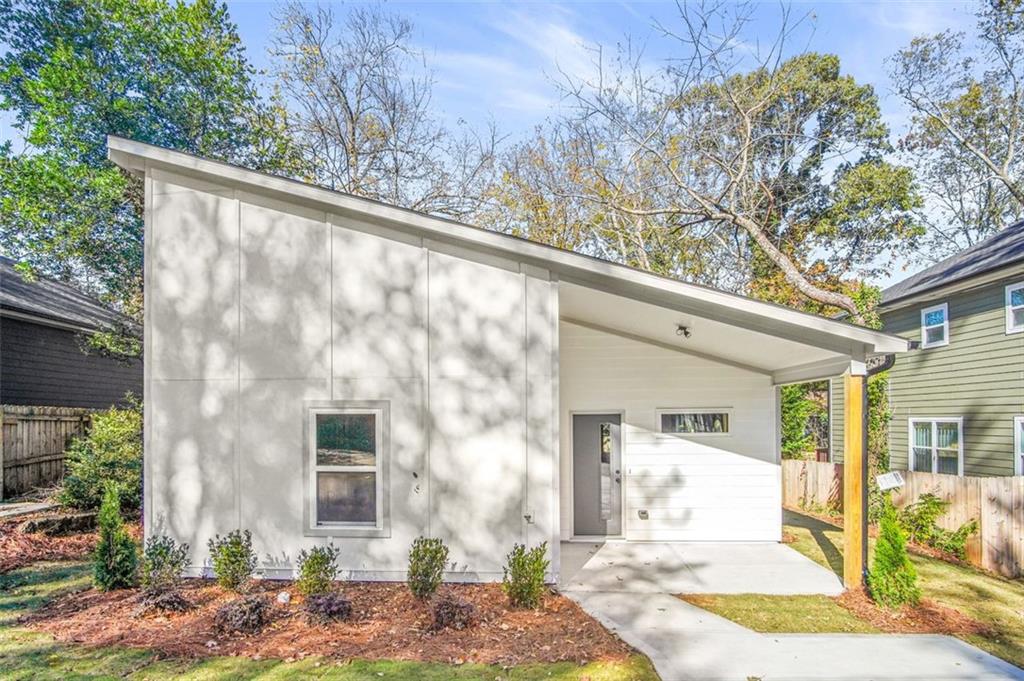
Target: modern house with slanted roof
<point>958,400</point>
<point>325,368</point>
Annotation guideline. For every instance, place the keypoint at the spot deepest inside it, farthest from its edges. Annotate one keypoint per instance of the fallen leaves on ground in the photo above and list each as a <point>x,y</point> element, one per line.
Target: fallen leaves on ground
<point>928,617</point>
<point>387,623</point>
<point>18,549</point>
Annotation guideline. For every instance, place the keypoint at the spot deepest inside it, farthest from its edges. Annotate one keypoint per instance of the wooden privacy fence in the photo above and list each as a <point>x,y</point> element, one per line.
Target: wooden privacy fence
<point>32,445</point>
<point>814,485</point>
<point>996,503</point>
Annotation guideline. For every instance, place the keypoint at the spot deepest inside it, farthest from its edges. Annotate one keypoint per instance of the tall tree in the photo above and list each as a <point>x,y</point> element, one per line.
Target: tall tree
<point>772,167</point>
<point>169,73</point>
<point>967,133</point>
<point>361,100</point>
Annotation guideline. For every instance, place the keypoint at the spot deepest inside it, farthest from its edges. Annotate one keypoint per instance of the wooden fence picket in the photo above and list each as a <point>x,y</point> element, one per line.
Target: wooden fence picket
<point>996,503</point>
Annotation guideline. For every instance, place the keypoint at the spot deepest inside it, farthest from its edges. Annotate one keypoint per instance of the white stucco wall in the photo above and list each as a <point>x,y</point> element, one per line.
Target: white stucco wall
<point>255,306</point>
<point>703,488</point>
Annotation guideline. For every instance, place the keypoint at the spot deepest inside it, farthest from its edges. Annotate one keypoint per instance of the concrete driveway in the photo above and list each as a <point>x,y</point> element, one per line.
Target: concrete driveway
<point>630,589</point>
<point>710,568</point>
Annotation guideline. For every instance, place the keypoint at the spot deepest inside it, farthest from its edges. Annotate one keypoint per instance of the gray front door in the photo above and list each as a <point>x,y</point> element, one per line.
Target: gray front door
<point>597,474</point>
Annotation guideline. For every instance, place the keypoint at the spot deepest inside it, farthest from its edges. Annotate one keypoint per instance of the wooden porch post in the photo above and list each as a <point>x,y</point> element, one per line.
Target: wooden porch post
<point>855,466</point>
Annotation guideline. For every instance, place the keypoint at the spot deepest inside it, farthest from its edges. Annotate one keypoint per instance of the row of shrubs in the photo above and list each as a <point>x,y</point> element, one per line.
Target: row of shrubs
<point>118,564</point>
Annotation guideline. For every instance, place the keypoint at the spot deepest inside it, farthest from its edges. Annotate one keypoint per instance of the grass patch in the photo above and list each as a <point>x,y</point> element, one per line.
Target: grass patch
<point>28,588</point>
<point>25,654</point>
<point>994,601</point>
<point>783,614</point>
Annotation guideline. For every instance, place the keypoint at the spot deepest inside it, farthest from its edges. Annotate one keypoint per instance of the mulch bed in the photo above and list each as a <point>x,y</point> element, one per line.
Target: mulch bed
<point>928,617</point>
<point>18,550</point>
<point>387,623</point>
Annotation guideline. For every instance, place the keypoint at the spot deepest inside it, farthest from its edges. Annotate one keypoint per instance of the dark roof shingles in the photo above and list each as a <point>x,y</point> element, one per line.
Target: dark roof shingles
<point>1001,249</point>
<point>55,300</point>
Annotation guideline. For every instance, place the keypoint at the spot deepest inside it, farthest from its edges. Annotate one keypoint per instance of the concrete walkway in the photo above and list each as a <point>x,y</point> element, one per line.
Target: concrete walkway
<point>685,642</point>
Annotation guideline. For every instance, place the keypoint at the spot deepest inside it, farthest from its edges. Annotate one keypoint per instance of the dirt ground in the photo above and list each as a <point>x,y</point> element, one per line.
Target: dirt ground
<point>928,617</point>
<point>387,623</point>
<point>18,550</point>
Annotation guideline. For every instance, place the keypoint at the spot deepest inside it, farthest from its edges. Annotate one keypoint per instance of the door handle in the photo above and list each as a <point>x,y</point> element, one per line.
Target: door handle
<point>618,479</point>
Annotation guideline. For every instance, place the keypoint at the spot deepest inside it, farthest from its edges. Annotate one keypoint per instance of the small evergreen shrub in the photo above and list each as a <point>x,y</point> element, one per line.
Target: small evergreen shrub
<point>327,607</point>
<point>427,560</point>
<point>317,570</point>
<point>247,615</point>
<point>523,579</point>
<point>892,580</point>
<point>450,612</point>
<point>163,561</point>
<point>955,542</point>
<point>115,560</point>
<point>920,521</point>
<point>233,559</point>
<point>110,453</point>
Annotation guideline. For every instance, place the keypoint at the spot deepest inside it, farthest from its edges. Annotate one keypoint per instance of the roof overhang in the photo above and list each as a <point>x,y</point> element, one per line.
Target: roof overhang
<point>1010,270</point>
<point>769,329</point>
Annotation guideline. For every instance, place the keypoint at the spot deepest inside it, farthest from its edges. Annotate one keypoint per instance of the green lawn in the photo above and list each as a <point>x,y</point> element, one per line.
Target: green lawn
<point>25,654</point>
<point>784,614</point>
<point>995,601</point>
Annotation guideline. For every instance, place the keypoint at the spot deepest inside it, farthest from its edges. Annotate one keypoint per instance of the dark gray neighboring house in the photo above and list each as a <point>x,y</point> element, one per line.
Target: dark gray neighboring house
<point>42,325</point>
<point>958,401</point>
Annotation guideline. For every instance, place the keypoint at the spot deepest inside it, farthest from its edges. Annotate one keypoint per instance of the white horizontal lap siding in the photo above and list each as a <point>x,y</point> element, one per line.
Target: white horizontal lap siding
<point>697,488</point>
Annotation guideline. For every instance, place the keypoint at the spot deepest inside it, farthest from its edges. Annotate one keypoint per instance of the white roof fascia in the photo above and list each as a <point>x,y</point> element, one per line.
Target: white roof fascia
<point>816,371</point>
<point>733,309</point>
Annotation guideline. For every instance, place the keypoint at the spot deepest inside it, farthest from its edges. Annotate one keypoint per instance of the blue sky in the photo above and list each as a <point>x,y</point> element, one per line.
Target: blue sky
<point>498,61</point>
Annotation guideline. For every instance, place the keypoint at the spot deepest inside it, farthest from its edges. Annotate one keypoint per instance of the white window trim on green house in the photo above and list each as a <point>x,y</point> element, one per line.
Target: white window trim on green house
<point>925,326</point>
<point>1011,309</point>
<point>1018,445</point>
<point>933,442</point>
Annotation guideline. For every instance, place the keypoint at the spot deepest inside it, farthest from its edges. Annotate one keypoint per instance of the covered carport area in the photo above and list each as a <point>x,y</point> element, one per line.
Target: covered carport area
<point>636,345</point>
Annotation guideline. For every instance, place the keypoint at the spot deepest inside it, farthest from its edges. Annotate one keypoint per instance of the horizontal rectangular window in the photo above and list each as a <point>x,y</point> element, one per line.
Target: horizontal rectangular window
<point>1015,308</point>
<point>936,445</point>
<point>345,463</point>
<point>935,326</point>
<point>695,422</point>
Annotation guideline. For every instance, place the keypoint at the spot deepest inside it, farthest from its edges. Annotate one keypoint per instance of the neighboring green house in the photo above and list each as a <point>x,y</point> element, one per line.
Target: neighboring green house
<point>958,399</point>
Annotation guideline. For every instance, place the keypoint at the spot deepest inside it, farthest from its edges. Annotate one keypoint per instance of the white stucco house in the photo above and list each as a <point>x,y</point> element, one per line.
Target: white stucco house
<point>324,368</point>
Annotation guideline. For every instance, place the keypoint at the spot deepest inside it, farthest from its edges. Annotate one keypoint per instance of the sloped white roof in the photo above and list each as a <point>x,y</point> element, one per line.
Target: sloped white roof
<point>789,344</point>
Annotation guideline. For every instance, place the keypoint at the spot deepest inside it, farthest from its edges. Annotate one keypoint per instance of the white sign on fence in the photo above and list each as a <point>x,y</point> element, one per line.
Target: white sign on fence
<point>887,481</point>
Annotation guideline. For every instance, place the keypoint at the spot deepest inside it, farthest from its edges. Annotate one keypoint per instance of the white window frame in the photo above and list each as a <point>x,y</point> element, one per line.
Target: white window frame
<point>934,421</point>
<point>1018,445</point>
<point>380,526</point>
<point>945,326</point>
<point>1010,328</point>
<point>699,410</point>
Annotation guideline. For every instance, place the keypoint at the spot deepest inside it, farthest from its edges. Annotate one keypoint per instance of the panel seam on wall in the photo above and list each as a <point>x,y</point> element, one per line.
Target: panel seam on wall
<point>330,303</point>
<point>425,418</point>
<point>238,368</point>
<point>147,357</point>
<point>525,496</point>
<point>555,510</point>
